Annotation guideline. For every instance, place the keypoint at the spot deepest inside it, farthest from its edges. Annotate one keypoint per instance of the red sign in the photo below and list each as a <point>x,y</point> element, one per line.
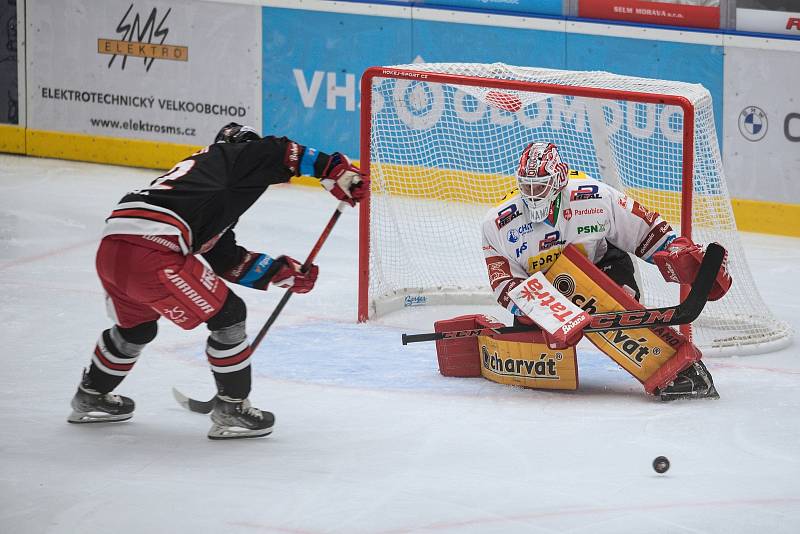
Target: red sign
<point>667,13</point>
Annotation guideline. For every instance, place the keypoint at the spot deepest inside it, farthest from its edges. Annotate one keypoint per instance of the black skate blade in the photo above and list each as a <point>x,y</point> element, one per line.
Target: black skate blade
<point>82,418</point>
<point>219,432</point>
<point>669,397</point>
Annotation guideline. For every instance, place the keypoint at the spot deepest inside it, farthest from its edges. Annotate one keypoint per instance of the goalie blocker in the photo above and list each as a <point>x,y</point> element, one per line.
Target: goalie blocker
<point>654,356</point>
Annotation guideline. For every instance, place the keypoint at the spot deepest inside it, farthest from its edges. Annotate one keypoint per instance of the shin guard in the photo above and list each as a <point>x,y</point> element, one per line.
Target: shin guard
<point>116,353</point>
<point>228,350</point>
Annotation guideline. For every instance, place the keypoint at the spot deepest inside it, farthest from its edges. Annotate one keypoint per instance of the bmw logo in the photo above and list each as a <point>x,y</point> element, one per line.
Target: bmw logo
<point>513,236</point>
<point>753,123</point>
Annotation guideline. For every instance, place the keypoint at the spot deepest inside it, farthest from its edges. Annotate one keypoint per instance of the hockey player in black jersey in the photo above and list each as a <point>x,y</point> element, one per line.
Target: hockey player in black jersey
<point>147,262</point>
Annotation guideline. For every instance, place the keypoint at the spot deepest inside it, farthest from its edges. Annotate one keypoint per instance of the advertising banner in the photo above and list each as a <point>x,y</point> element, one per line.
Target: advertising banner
<point>172,71</point>
<point>762,124</point>
<point>311,90</point>
<point>311,86</point>
<point>538,7</point>
<point>700,63</point>
<point>9,91</point>
<point>688,13</point>
<point>768,16</point>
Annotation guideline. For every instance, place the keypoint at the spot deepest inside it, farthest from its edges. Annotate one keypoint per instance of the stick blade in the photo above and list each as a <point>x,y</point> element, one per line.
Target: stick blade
<point>182,399</point>
<point>193,405</point>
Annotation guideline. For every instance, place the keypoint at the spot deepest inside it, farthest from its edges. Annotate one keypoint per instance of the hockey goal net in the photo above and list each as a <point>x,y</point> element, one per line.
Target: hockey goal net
<point>441,143</point>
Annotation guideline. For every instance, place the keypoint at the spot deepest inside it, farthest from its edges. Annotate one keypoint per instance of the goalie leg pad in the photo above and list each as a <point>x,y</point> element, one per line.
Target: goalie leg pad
<point>640,351</point>
<point>461,356</point>
<point>525,359</point>
<point>521,359</point>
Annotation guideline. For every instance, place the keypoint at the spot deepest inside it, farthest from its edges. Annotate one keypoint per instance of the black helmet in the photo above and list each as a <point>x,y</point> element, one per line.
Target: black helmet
<point>236,133</point>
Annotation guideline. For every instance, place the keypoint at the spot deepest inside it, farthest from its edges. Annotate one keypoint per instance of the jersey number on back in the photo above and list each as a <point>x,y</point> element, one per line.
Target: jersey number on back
<point>180,169</point>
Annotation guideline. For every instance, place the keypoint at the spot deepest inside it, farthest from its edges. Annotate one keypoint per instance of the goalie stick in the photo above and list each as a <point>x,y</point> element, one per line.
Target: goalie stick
<point>684,313</point>
<point>207,406</point>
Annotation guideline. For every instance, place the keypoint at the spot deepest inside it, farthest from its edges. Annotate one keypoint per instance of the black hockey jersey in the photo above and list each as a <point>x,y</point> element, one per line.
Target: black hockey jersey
<point>201,198</point>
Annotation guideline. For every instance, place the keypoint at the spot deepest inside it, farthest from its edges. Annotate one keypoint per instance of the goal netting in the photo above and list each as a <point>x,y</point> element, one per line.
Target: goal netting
<point>441,143</point>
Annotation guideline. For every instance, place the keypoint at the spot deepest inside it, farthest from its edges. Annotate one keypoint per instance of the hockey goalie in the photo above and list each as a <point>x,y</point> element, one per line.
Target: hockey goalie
<point>558,249</point>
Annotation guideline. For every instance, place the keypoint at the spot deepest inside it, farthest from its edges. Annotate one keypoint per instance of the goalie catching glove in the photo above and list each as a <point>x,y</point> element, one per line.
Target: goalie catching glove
<point>259,270</point>
<point>344,180</point>
<point>680,261</point>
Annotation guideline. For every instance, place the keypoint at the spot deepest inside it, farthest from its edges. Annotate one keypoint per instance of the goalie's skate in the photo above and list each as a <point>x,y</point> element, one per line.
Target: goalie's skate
<point>235,418</point>
<point>694,382</point>
<point>90,406</point>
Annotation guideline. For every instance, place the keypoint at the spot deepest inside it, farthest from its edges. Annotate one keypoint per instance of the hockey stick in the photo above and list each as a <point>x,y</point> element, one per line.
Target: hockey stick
<point>684,313</point>
<point>206,406</point>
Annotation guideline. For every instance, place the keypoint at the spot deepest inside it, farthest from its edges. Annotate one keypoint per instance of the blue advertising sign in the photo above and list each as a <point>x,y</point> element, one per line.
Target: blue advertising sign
<point>699,63</point>
<point>311,86</point>
<point>554,8</point>
<point>472,43</point>
<point>537,7</point>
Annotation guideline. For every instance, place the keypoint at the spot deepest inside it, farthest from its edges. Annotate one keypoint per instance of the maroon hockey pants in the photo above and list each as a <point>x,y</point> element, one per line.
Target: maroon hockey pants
<point>144,280</point>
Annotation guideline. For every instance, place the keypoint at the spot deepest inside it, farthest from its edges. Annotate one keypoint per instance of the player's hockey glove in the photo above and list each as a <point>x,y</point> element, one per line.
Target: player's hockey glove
<point>258,270</point>
<point>290,276</point>
<point>680,261</point>
<point>344,180</point>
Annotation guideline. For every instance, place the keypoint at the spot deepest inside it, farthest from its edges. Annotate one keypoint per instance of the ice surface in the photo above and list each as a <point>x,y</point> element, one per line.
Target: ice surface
<point>369,437</point>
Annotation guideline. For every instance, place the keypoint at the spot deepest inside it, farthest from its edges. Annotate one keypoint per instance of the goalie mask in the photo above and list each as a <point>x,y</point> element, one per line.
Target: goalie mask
<point>541,176</point>
<point>236,133</point>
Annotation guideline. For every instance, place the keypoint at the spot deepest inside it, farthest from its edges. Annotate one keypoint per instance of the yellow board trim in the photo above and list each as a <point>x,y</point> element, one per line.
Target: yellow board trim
<point>751,215</point>
<point>12,139</point>
<point>109,150</point>
<point>767,217</point>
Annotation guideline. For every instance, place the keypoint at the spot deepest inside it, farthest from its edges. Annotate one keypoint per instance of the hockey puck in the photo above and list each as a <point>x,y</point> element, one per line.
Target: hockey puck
<point>661,464</point>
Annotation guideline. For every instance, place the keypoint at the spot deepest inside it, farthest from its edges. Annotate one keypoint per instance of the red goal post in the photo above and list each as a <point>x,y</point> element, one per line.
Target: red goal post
<point>415,117</point>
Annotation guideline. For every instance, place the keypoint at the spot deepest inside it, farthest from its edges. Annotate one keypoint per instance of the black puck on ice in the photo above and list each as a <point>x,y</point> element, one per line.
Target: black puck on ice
<point>661,464</point>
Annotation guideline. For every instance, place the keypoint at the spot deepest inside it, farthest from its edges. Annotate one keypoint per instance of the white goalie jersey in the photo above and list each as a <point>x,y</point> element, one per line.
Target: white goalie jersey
<point>588,214</point>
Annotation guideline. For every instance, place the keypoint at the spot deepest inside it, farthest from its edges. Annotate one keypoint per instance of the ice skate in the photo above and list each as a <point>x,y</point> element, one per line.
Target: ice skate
<point>90,406</point>
<point>235,418</point>
<point>694,382</point>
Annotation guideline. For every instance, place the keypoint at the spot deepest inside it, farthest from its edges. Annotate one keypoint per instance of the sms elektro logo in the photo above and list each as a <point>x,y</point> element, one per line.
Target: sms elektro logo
<point>142,36</point>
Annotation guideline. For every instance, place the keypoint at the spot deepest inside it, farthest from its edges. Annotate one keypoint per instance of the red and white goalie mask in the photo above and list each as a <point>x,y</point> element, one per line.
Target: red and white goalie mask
<point>541,176</point>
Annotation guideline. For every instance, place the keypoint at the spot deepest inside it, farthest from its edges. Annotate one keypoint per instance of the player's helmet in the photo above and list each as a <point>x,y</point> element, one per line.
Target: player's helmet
<point>236,133</point>
<point>541,176</point>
